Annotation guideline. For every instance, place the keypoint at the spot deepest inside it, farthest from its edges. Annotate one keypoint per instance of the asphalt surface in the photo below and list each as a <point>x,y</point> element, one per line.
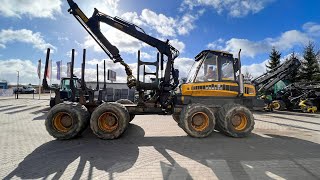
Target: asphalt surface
<point>283,145</point>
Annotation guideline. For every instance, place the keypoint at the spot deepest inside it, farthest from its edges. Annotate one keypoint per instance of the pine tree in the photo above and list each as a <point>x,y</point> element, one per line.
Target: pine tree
<point>274,59</point>
<point>309,70</point>
<point>293,77</point>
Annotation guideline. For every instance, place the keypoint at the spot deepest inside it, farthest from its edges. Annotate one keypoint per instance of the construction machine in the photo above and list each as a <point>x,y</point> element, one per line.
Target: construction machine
<point>303,96</point>
<point>213,97</point>
<point>266,81</point>
<point>65,90</point>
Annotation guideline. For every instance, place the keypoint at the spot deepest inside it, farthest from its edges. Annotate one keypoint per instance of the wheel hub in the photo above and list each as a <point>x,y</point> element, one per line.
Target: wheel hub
<point>62,122</point>
<point>66,121</point>
<point>108,122</point>
<point>200,121</point>
<point>239,121</point>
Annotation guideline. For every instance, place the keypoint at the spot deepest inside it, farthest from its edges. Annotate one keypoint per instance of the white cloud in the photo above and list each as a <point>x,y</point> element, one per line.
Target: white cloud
<point>184,65</point>
<point>25,36</point>
<point>285,41</point>
<point>312,28</point>
<point>162,24</point>
<point>109,7</point>
<point>255,69</point>
<point>178,44</point>
<point>159,22</point>
<point>27,71</point>
<point>39,9</point>
<point>234,8</point>
<point>124,42</point>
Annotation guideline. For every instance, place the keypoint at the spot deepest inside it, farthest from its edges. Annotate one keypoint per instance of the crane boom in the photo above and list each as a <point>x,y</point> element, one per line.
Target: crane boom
<point>92,25</point>
<point>268,79</point>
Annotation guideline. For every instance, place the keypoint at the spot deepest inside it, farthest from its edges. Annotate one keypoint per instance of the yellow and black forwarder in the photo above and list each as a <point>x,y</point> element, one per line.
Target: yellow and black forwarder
<point>213,97</point>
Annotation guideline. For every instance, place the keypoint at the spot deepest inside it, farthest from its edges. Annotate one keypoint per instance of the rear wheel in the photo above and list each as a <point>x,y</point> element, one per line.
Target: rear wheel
<point>126,101</point>
<point>67,120</point>
<point>235,120</point>
<point>197,120</point>
<point>278,105</point>
<point>109,120</point>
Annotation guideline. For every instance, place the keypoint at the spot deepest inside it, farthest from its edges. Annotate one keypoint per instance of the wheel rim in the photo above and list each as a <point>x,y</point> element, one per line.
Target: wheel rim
<point>200,121</point>
<point>276,105</point>
<point>63,122</point>
<point>108,122</point>
<point>239,121</point>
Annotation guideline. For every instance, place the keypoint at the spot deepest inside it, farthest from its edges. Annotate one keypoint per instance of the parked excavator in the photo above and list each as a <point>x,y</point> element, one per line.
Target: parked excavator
<point>213,97</point>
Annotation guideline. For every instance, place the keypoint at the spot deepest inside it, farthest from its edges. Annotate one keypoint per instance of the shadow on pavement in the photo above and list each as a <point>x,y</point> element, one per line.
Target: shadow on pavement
<point>288,125</point>
<point>42,113</point>
<point>22,110</point>
<point>292,119</point>
<point>293,113</point>
<point>11,108</point>
<point>120,155</point>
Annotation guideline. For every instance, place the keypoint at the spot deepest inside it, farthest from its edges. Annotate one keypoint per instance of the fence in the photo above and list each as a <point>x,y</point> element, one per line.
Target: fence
<point>6,92</point>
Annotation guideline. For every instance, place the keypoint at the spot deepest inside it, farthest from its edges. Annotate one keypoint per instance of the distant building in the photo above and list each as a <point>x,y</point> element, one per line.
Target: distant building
<point>3,84</point>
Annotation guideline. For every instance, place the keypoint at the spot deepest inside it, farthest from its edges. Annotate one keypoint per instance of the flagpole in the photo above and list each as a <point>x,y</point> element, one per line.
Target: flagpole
<point>39,73</point>
<point>50,75</point>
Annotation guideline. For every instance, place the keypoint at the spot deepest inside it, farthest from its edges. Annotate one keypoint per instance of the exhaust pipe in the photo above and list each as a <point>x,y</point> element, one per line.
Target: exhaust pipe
<point>241,86</point>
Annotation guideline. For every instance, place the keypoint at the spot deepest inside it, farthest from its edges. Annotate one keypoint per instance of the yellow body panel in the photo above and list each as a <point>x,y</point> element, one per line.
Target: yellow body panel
<point>218,89</point>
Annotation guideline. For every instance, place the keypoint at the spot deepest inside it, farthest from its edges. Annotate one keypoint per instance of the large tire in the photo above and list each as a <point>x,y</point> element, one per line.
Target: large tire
<point>235,120</point>
<point>67,120</point>
<point>126,101</point>
<point>278,105</point>
<point>197,120</point>
<point>109,120</point>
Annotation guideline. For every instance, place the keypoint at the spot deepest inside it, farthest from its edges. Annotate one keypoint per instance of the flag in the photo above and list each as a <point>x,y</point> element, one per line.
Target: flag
<point>58,69</point>
<point>69,69</point>
<point>48,75</point>
<point>39,69</point>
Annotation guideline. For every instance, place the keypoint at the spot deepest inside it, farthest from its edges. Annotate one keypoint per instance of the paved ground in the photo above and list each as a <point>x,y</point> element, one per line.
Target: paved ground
<point>284,145</point>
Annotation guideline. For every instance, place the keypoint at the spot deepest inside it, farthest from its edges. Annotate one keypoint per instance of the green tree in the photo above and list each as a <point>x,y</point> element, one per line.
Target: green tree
<point>274,60</point>
<point>293,77</point>
<point>309,70</point>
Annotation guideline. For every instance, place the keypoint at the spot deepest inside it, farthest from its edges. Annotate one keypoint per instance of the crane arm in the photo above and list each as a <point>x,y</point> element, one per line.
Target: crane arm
<point>268,79</point>
<point>92,25</point>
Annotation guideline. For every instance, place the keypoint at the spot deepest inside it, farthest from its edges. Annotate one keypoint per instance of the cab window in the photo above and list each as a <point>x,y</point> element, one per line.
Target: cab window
<point>208,70</point>
<point>227,71</point>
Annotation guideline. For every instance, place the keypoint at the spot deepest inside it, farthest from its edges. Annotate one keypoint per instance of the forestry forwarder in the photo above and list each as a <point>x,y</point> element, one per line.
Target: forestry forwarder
<point>214,96</point>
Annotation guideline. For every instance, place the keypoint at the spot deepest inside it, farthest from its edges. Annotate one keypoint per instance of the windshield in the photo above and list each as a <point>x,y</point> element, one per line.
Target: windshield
<point>227,69</point>
<point>65,84</point>
<point>193,71</point>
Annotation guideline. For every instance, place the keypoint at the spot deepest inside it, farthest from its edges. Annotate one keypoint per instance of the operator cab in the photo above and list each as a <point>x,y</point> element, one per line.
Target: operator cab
<point>65,83</point>
<point>211,66</point>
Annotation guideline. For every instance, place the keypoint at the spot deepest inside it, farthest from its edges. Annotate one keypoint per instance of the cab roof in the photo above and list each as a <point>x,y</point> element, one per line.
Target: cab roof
<point>215,52</point>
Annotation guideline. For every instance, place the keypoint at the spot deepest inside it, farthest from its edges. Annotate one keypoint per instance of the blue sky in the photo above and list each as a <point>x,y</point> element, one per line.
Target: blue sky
<point>27,28</point>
